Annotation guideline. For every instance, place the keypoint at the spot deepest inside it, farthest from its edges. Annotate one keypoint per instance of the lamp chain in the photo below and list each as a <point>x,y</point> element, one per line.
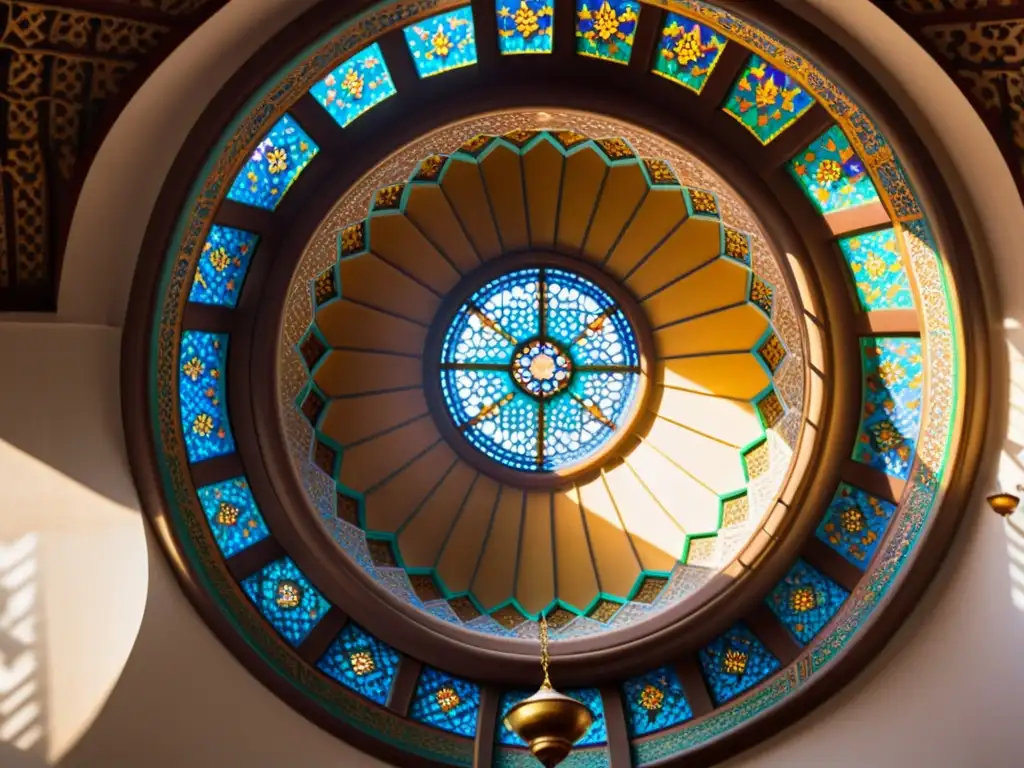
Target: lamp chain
<point>545,657</point>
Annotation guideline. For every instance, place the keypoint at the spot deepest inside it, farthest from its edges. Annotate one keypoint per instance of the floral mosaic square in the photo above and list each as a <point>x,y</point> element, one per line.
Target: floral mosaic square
<point>362,663</point>
<point>443,42</point>
<point>832,175</point>
<point>687,52</point>
<point>735,662</point>
<point>446,702</point>
<point>525,26</point>
<point>877,270</point>
<point>654,701</point>
<point>202,395</point>
<point>605,28</point>
<point>355,87</point>
<point>287,600</point>
<point>805,601</point>
<point>766,101</point>
<point>855,523</point>
<point>223,266</point>
<point>235,520</point>
<point>274,166</point>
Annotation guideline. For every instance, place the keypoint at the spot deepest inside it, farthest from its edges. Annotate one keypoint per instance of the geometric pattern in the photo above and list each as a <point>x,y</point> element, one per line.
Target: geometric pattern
<point>877,269</point>
<point>605,28</point>
<point>442,42</point>
<point>355,86</point>
<point>446,702</point>
<point>222,267</point>
<point>832,175</point>
<point>805,601</point>
<point>766,101</point>
<point>525,26</point>
<point>235,521</point>
<point>201,390</point>
<point>735,662</point>
<point>855,523</point>
<point>687,52</point>
<point>274,166</point>
<point>360,661</point>
<point>654,701</point>
<point>287,600</point>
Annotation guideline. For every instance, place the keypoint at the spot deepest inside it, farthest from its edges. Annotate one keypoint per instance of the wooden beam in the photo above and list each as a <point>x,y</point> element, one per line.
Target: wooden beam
<point>404,687</point>
<point>874,481</point>
<point>889,322</point>
<point>320,639</point>
<point>773,633</point>
<point>619,755</point>
<point>730,64</point>
<point>486,724</point>
<point>207,317</point>
<point>858,220</point>
<point>694,687</point>
<point>485,23</point>
<point>216,470</point>
<point>399,61</point>
<point>645,40</point>
<point>253,559</point>
<point>319,125</point>
<point>797,137</point>
<point>831,564</point>
<point>564,42</point>
<point>247,217</point>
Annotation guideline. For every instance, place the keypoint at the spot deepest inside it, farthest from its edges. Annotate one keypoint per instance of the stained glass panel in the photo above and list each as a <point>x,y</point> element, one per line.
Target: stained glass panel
<point>355,87</point>
<point>735,662</point>
<point>874,261</point>
<point>274,166</point>
<point>655,701</point>
<point>598,732</point>
<point>687,52</point>
<point>506,735</point>
<point>287,600</point>
<point>766,100</point>
<point>446,702</point>
<point>855,523</point>
<point>891,417</point>
<point>223,266</point>
<point>605,28</point>
<point>442,42</point>
<point>805,601</point>
<point>832,175</point>
<point>361,662</point>
<point>525,26</point>
<point>201,395</point>
<point>234,518</point>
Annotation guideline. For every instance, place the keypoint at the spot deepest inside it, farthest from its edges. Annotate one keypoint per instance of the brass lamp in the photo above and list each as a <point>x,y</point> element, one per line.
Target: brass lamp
<point>1004,504</point>
<point>550,722</point>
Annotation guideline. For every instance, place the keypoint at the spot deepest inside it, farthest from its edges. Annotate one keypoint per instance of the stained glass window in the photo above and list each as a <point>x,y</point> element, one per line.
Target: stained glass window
<point>805,601</point>
<point>446,702</point>
<point>831,173</point>
<point>506,735</point>
<point>525,26</point>
<point>223,266</point>
<point>891,418</point>
<point>687,52</point>
<point>539,369</point>
<point>286,599</point>
<point>766,100</point>
<point>201,395</point>
<point>442,42</point>
<point>855,523</point>
<point>735,662</point>
<point>605,28</point>
<point>360,661</point>
<point>655,701</point>
<point>274,166</point>
<point>234,518</point>
<point>874,261</point>
<point>355,87</point>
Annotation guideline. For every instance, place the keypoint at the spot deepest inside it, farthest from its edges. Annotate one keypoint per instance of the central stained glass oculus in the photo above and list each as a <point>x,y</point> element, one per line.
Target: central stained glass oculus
<point>540,369</point>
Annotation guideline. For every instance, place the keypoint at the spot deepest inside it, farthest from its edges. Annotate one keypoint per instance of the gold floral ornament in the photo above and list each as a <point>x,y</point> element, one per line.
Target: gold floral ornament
<point>362,663</point>
<point>606,22</point>
<point>289,595</point>
<point>203,425</point>
<point>734,662</point>
<point>220,260</point>
<point>227,514</point>
<point>652,698</point>
<point>194,368</point>
<point>277,161</point>
<point>802,600</point>
<point>687,49</point>
<point>441,44</point>
<point>447,698</point>
<point>353,84</point>
<point>829,171</point>
<point>526,21</point>
<point>853,520</point>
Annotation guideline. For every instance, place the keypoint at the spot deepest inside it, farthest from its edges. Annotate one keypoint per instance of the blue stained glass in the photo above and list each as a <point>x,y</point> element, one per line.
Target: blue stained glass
<point>687,52</point>
<point>598,732</point>
<point>286,599</point>
<point>831,173</point>
<point>735,662</point>
<point>223,266</point>
<point>655,701</point>
<point>361,662</point>
<point>234,518</point>
<point>274,166</point>
<point>586,319</point>
<point>877,269</point>
<point>201,395</point>
<point>605,28</point>
<point>442,42</point>
<point>766,101</point>
<point>525,26</point>
<point>446,702</point>
<point>355,87</point>
<point>506,735</point>
<point>805,601</point>
<point>855,523</point>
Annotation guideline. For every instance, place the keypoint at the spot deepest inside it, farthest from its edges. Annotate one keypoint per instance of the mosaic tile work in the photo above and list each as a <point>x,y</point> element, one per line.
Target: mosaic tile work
<point>654,701</point>
<point>446,702</point>
<point>287,600</point>
<point>223,266</point>
<point>891,417</point>
<point>274,166</point>
<point>591,699</point>
<point>766,100</point>
<point>832,175</point>
<point>355,87</point>
<point>735,662</point>
<point>805,601</point>
<point>235,520</point>
<point>877,269</point>
<point>361,662</point>
<point>855,523</point>
<point>201,391</point>
<point>503,734</point>
<point>687,52</point>
<point>605,28</point>
<point>443,42</point>
<point>525,26</point>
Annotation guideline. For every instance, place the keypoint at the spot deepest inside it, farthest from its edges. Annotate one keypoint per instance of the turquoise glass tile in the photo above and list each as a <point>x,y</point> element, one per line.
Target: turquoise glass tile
<point>805,601</point>
<point>506,735</point>
<point>832,175</point>
<point>687,52</point>
<point>443,42</point>
<point>222,267</point>
<point>355,87</point>
<point>605,28</point>
<point>361,662</point>
<point>855,523</point>
<point>525,26</point>
<point>234,518</point>
<point>891,417</point>
<point>446,702</point>
<point>287,600</point>
<point>654,701</point>
<point>274,166</point>
<point>766,100</point>
<point>877,269</point>
<point>201,395</point>
<point>735,662</point>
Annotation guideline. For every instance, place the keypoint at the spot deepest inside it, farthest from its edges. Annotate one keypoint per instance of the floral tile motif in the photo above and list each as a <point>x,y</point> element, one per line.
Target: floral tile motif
<point>877,269</point>
<point>355,87</point>
<point>832,175</point>
<point>223,266</point>
<point>443,42</point>
<point>855,523</point>
<point>805,601</point>
<point>766,101</point>
<point>687,52</point>
<point>446,702</point>
<point>654,701</point>
<point>287,600</point>
<point>362,663</point>
<point>605,28</point>
<point>235,520</point>
<point>525,26</point>
<point>891,417</point>
<point>202,395</point>
<point>735,662</point>
<point>274,166</point>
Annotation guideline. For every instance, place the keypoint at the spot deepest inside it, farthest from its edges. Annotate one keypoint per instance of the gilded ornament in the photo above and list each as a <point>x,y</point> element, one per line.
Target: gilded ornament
<point>660,171</point>
<point>703,202</point>
<point>288,595</point>
<point>734,662</point>
<point>447,698</point>
<point>227,514</point>
<point>362,663</point>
